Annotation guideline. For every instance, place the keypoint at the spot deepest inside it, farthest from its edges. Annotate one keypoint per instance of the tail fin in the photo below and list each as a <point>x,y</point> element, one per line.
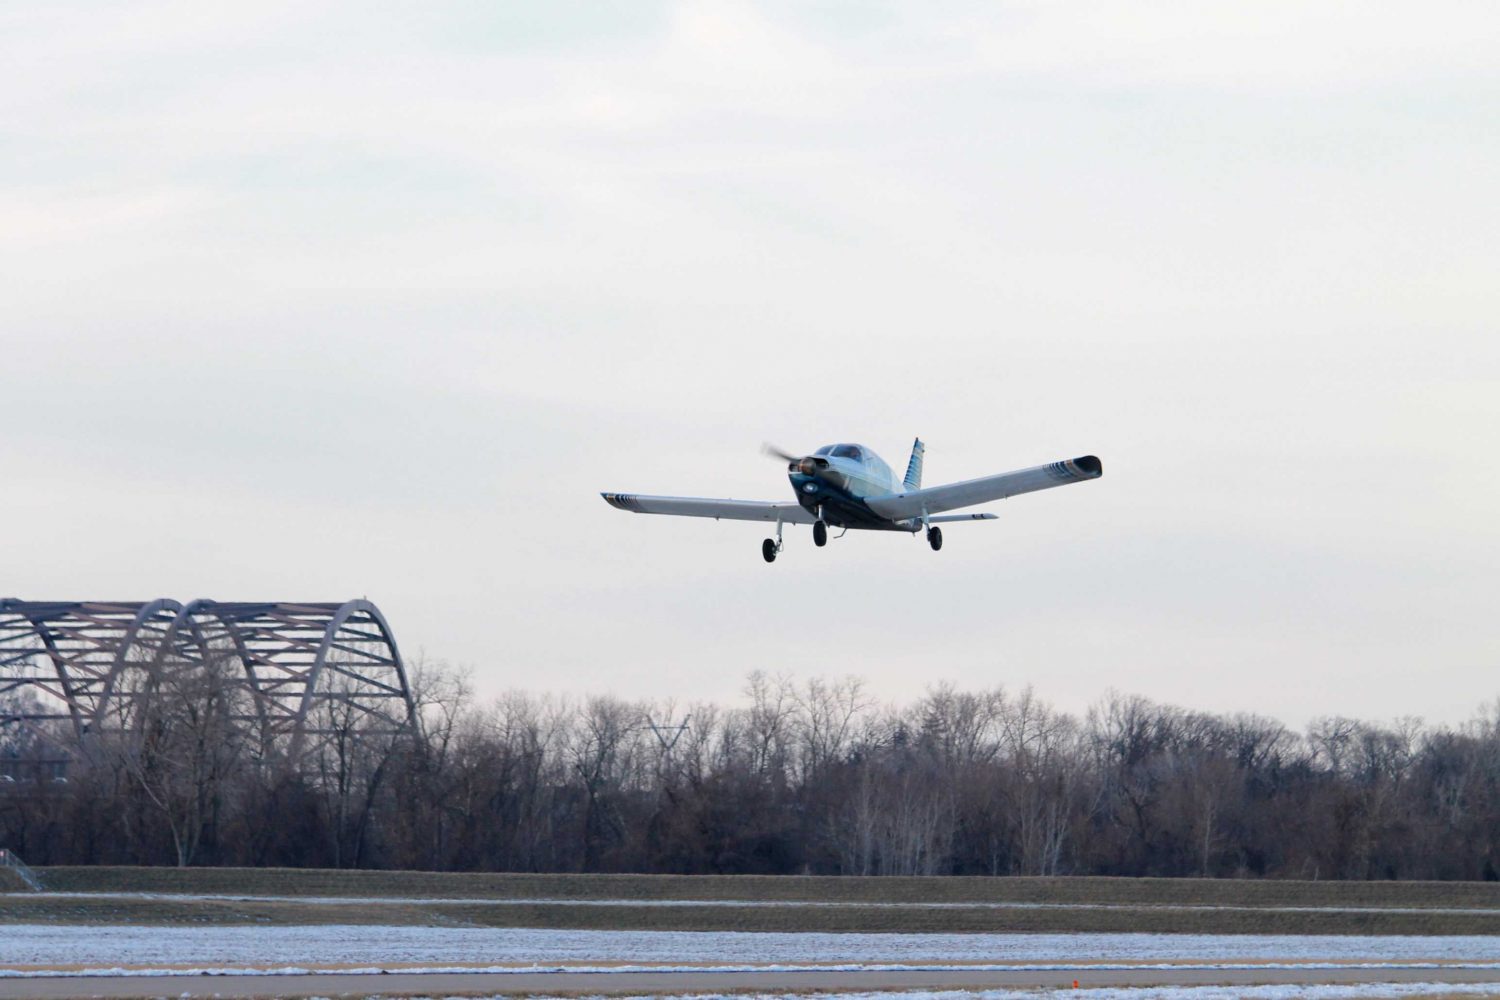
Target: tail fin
<point>914,467</point>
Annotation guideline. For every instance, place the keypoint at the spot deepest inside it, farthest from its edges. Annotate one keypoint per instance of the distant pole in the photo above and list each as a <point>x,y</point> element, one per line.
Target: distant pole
<point>661,732</point>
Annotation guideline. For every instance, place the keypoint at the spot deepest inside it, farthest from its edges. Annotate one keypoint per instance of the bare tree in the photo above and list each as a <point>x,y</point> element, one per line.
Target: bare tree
<point>810,777</point>
<point>179,746</point>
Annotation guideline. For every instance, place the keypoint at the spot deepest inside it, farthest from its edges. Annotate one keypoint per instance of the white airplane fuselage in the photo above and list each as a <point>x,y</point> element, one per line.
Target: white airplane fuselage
<point>834,481</point>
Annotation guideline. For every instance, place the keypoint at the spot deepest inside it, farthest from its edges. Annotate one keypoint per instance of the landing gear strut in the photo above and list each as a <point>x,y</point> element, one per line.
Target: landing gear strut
<point>820,533</point>
<point>935,538</point>
<point>771,546</point>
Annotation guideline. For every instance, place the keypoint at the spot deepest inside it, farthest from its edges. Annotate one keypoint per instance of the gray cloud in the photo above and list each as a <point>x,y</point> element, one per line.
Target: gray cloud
<point>307,302</point>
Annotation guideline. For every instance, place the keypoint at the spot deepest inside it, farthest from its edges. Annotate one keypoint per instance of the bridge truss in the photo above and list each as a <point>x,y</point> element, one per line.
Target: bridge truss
<point>293,675</point>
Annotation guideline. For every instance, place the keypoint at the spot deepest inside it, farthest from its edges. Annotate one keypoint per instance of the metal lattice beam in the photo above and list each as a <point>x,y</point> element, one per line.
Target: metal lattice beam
<point>306,670</point>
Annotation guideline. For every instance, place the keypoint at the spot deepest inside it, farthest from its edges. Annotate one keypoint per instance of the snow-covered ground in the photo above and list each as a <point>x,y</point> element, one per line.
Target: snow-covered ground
<point>36,944</point>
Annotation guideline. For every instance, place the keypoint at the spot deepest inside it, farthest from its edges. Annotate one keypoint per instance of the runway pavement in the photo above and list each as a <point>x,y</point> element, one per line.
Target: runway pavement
<point>238,987</point>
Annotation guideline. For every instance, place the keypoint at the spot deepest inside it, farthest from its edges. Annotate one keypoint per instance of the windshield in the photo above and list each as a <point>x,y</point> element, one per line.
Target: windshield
<point>848,451</point>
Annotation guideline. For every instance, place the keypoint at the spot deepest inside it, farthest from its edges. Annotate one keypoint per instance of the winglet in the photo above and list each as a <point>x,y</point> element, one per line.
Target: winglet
<point>913,479</point>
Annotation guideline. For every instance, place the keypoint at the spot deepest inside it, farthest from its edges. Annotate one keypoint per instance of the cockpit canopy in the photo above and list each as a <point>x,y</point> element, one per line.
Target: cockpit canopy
<point>874,475</point>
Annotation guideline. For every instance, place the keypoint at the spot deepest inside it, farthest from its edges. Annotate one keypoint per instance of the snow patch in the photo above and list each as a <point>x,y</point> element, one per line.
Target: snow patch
<point>375,945</point>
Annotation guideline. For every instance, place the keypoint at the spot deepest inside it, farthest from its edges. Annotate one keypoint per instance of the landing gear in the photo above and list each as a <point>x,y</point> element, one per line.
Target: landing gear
<point>935,538</point>
<point>771,546</point>
<point>820,533</point>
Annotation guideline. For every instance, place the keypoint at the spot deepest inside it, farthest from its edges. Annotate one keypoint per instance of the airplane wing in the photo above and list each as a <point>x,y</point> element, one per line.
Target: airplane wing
<point>733,510</point>
<point>900,506</point>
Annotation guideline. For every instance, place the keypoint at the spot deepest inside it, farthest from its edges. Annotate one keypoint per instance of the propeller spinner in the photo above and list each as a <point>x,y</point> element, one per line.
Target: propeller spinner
<point>808,465</point>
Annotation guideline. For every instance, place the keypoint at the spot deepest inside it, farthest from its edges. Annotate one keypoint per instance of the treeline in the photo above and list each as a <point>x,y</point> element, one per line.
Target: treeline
<point>815,777</point>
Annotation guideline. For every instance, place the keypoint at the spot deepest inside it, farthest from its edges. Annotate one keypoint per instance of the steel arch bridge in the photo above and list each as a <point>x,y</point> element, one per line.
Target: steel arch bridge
<point>94,666</point>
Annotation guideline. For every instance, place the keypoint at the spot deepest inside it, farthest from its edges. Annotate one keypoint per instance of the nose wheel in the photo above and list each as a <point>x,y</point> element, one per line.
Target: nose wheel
<point>935,538</point>
<point>820,533</point>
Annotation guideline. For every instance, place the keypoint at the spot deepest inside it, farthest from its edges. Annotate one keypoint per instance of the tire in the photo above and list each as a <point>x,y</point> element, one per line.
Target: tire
<point>768,550</point>
<point>935,538</point>
<point>820,534</point>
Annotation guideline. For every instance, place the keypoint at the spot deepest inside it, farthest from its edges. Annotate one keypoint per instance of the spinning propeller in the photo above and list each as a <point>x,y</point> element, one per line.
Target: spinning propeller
<point>808,465</point>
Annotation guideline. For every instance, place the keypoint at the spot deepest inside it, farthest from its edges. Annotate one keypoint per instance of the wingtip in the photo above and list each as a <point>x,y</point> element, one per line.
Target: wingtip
<point>623,501</point>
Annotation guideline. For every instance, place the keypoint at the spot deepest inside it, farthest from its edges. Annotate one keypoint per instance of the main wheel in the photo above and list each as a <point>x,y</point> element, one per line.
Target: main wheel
<point>820,534</point>
<point>935,538</point>
<point>768,549</point>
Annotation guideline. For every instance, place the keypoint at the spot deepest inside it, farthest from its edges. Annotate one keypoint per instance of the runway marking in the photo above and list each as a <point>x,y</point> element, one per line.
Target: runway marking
<point>606,968</point>
<point>1143,983</point>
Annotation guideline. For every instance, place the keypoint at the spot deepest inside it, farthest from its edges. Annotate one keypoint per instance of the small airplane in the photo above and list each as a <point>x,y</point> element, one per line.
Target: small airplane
<point>848,486</point>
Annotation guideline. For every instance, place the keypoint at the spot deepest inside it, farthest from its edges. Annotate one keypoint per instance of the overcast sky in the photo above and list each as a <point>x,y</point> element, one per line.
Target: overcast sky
<point>302,301</point>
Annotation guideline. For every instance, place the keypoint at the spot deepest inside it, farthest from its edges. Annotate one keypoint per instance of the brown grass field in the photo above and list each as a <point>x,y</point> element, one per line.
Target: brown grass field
<point>293,882</point>
<point>866,904</point>
<point>11,882</point>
